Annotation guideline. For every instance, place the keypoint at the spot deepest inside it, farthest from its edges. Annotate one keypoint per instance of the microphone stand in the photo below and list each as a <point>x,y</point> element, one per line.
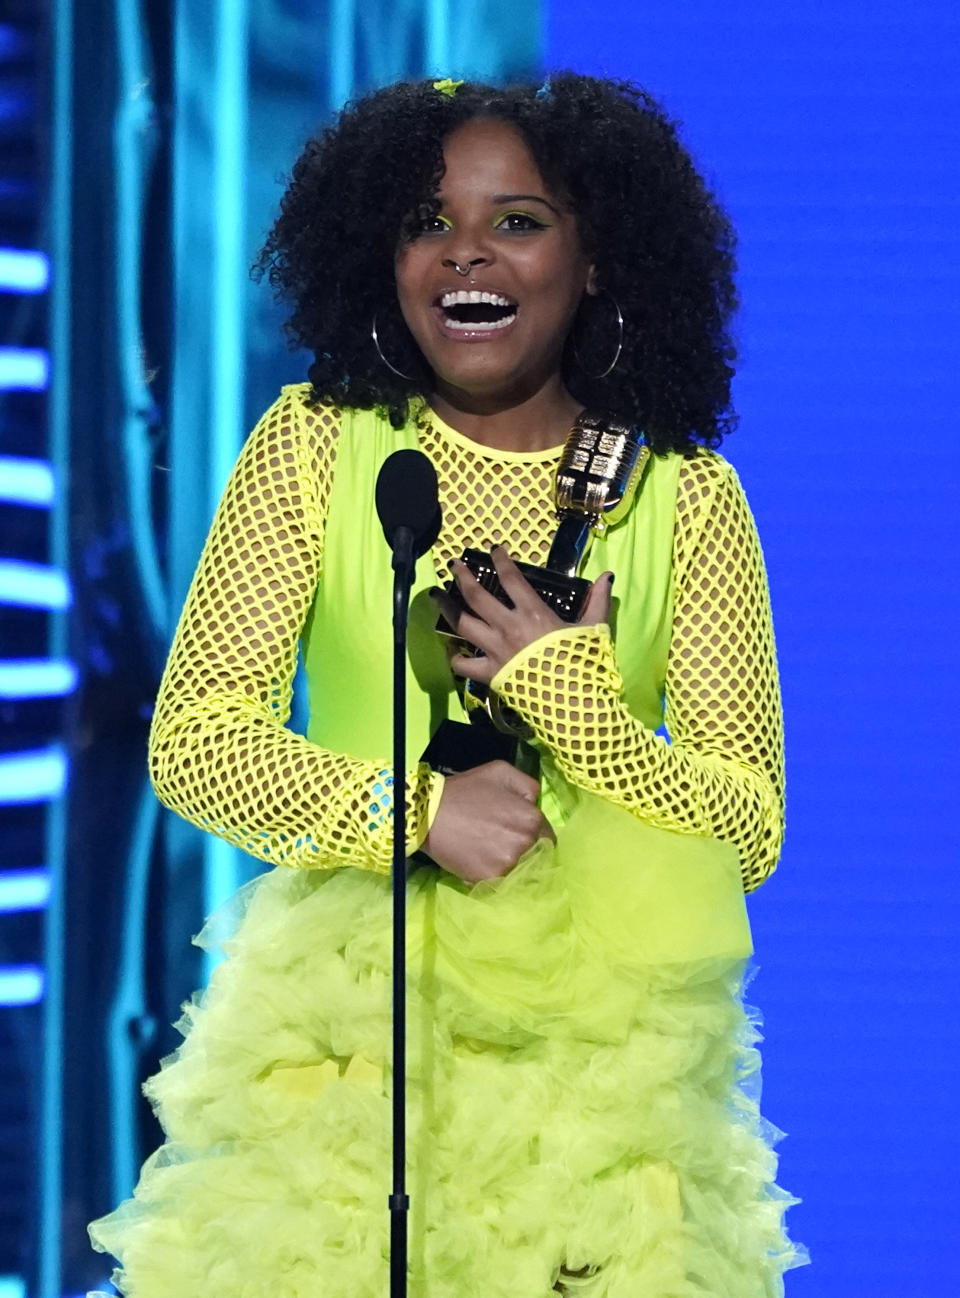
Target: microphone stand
<point>399,1200</point>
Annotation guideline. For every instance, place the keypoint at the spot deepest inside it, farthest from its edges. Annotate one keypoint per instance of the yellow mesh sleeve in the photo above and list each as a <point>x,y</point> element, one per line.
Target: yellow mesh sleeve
<point>721,774</point>
<point>220,753</point>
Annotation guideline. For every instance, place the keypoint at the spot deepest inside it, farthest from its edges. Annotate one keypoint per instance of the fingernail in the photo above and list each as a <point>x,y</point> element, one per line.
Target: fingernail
<point>610,579</point>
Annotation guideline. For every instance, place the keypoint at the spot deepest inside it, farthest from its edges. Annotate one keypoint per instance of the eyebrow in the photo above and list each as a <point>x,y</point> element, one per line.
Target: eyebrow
<point>524,198</point>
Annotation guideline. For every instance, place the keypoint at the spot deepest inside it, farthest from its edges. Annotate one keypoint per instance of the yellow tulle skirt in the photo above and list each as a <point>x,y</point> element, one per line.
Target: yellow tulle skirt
<point>582,1088</point>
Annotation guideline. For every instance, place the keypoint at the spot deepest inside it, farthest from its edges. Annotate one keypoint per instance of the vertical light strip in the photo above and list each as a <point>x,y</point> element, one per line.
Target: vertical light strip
<point>342,39</point>
<point>438,39</point>
<point>130,1000</point>
<point>230,269</point>
<point>133,147</point>
<point>227,320</point>
<point>58,406</point>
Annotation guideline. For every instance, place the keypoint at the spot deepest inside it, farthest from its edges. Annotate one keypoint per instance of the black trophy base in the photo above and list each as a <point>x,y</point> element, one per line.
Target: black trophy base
<point>458,746</point>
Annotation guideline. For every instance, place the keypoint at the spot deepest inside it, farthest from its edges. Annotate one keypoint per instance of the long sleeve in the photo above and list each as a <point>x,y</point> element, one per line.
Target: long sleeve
<point>220,753</point>
<point>721,773</point>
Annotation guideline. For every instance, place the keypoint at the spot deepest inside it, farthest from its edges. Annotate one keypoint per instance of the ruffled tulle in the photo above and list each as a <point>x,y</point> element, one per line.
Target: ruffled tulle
<point>582,1089</point>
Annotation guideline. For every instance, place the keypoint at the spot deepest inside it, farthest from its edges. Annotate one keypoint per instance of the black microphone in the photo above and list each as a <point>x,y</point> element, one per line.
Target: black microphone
<point>408,509</point>
<point>407,505</point>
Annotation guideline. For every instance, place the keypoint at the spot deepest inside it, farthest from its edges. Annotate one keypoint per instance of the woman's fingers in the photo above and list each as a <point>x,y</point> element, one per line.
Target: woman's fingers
<point>487,818</point>
<point>497,630</point>
<point>476,597</point>
<point>475,669</point>
<point>467,626</point>
<point>597,607</point>
<point>524,597</point>
<point>524,786</point>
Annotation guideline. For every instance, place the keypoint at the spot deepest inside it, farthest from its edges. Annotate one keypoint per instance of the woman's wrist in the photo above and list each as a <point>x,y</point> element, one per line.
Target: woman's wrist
<point>565,650</point>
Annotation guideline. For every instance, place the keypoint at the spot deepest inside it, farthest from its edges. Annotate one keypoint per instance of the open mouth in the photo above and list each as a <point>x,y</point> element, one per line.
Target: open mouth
<point>473,311</point>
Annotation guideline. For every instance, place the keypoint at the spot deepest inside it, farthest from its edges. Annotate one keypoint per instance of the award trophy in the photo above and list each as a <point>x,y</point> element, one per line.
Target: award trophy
<point>599,473</point>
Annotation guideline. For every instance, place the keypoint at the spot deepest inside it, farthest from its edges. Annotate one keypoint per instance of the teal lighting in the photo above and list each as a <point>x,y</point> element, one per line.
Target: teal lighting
<point>228,281</point>
<point>438,37</point>
<point>33,585</point>
<point>24,369</point>
<point>23,890</point>
<point>13,1286</point>
<point>22,271</point>
<point>36,678</point>
<point>130,999</point>
<point>25,481</point>
<point>49,1172</point>
<point>21,984</point>
<point>341,46</point>
<point>36,776</point>
<point>133,147</point>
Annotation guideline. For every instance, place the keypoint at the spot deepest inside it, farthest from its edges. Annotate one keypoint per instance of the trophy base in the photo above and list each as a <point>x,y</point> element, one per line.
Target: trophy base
<point>460,746</point>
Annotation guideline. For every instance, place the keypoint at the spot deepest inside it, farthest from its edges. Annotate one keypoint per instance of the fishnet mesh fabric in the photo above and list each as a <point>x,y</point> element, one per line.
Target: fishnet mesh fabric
<point>722,774</point>
<point>222,757</point>
<point>220,753</point>
<point>486,499</point>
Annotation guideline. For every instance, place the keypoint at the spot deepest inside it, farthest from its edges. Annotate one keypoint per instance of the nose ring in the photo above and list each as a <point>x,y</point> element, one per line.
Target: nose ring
<point>462,270</point>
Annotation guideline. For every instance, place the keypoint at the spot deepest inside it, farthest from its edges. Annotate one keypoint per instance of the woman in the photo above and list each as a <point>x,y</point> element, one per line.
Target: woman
<point>471,268</point>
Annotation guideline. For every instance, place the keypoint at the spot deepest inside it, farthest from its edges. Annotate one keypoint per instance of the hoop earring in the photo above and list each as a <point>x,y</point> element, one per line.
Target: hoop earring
<point>616,355</point>
<point>376,342</point>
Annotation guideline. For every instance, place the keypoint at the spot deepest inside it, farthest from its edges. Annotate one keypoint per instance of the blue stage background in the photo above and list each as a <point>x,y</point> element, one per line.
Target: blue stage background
<point>833,135</point>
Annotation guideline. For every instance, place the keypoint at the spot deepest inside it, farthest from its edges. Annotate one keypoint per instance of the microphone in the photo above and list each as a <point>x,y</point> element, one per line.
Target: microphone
<point>407,505</point>
<point>409,511</point>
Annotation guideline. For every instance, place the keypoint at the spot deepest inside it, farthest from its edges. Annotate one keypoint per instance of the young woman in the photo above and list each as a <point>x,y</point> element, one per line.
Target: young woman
<point>471,268</point>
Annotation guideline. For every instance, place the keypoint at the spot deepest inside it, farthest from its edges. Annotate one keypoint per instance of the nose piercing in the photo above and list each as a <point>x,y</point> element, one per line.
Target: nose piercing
<point>462,270</point>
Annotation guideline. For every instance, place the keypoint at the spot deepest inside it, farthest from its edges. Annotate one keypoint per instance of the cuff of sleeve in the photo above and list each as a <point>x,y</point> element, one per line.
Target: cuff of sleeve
<point>424,787</point>
<point>562,637</point>
<point>432,781</point>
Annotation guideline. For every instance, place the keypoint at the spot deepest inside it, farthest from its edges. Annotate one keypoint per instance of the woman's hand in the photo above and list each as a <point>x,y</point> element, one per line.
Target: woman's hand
<point>487,818</point>
<point>502,632</point>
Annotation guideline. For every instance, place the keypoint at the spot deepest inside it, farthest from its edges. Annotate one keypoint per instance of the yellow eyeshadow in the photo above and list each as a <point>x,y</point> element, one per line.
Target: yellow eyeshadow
<point>517,211</point>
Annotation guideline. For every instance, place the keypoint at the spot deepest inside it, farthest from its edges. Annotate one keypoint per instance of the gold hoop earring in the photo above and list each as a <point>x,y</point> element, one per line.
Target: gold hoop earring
<point>376,342</point>
<point>616,355</point>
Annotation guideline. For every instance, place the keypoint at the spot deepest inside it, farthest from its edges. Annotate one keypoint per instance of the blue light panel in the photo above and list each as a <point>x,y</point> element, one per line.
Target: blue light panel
<point>25,481</point>
<point>21,984</point>
<point>36,678</point>
<point>33,585</point>
<point>23,272</point>
<point>12,1286</point>
<point>32,776</point>
<point>24,369</point>
<point>24,890</point>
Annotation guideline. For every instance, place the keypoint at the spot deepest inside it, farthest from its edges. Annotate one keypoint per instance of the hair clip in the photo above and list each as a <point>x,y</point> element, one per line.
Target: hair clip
<point>545,91</point>
<point>447,87</point>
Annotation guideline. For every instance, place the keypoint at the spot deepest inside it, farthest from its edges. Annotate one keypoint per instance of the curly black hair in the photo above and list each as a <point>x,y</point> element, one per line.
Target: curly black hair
<point>660,243</point>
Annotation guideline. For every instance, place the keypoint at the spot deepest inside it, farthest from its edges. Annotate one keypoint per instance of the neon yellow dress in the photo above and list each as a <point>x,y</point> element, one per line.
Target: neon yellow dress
<point>582,1080</point>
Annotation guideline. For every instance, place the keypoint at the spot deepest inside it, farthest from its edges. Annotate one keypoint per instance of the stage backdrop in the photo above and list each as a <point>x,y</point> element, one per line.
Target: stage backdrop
<point>833,134</point>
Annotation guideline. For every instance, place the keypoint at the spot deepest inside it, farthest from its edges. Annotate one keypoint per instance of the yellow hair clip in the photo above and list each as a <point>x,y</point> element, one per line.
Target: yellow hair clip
<point>447,87</point>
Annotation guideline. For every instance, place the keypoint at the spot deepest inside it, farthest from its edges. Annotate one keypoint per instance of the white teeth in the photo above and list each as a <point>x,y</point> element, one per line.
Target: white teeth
<point>481,326</point>
<point>465,297</point>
